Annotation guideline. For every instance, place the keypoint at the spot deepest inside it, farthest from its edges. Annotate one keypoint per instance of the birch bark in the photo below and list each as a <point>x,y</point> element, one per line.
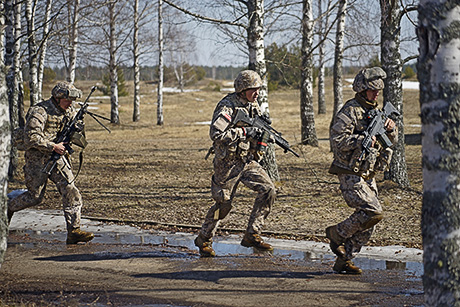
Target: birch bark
<point>307,116</point>
<point>5,141</point>
<point>160,64</point>
<point>137,97</point>
<point>439,75</point>
<point>393,93</point>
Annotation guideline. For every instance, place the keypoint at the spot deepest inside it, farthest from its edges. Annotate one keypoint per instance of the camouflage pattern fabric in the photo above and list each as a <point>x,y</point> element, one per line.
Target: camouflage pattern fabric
<point>369,79</point>
<point>346,137</point>
<point>358,188</point>
<point>362,195</point>
<point>234,162</point>
<point>65,90</point>
<point>44,121</point>
<point>247,79</point>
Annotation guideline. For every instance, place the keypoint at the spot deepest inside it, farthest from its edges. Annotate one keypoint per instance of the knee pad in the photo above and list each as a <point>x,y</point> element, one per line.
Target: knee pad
<point>372,219</point>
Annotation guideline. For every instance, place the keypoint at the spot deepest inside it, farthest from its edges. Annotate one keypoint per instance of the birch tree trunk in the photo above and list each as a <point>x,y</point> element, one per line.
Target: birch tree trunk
<point>256,48</point>
<point>338,58</point>
<point>393,93</point>
<point>257,63</point>
<point>137,98</point>
<point>307,116</point>
<point>321,91</point>
<point>439,76</point>
<point>160,64</point>
<point>10,81</point>
<point>73,11</point>
<point>33,55</point>
<point>5,141</point>
<point>18,102</point>
<point>114,115</point>
<point>42,53</point>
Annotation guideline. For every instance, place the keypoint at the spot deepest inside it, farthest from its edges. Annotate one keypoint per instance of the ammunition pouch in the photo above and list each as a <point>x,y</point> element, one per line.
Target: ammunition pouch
<point>365,165</point>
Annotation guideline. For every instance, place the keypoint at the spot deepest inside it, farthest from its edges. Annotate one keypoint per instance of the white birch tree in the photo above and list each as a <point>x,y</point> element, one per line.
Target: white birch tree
<point>160,64</point>
<point>33,51</point>
<point>11,80</point>
<point>136,68</point>
<point>322,25</point>
<point>44,42</point>
<point>5,139</point>
<point>114,112</point>
<point>337,83</point>
<point>439,75</point>
<point>73,18</point>
<point>391,15</point>
<point>307,113</point>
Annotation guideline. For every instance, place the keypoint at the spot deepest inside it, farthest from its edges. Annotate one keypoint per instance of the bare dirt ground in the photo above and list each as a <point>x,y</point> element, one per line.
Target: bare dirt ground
<point>156,177</point>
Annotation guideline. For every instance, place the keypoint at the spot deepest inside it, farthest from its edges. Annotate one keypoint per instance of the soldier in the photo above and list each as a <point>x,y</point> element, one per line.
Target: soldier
<point>237,160</point>
<point>43,123</point>
<point>356,178</point>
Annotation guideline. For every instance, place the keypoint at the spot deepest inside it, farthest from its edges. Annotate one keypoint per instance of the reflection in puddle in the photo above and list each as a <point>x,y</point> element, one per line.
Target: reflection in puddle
<point>224,247</point>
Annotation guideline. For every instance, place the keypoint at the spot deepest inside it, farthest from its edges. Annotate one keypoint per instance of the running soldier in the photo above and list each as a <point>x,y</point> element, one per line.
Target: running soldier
<point>356,175</point>
<point>237,160</point>
<point>43,123</point>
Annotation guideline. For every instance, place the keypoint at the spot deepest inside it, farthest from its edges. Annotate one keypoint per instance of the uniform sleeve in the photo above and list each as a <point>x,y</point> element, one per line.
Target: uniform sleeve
<point>34,136</point>
<point>342,133</point>
<point>221,126</point>
<point>393,135</point>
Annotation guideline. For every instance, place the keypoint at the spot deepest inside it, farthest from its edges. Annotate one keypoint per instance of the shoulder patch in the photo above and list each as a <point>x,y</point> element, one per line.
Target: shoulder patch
<point>347,120</point>
<point>222,122</point>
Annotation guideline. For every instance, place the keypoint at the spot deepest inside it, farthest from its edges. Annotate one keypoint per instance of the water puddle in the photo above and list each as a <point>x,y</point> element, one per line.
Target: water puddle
<point>410,264</point>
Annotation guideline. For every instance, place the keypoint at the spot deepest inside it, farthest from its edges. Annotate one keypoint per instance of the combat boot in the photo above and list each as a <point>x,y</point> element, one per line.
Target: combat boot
<point>205,246</point>
<point>254,240</point>
<point>77,235</point>
<point>336,241</point>
<point>343,266</point>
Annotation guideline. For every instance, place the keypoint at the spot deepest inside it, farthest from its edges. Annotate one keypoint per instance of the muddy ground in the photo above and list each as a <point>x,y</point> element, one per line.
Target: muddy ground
<point>156,176</point>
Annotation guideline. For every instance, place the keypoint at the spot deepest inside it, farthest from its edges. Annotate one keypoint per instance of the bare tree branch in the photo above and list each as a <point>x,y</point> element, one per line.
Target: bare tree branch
<point>205,18</point>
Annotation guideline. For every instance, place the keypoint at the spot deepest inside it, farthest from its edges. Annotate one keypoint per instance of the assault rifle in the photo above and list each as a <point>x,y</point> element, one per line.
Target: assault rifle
<point>70,129</point>
<point>261,123</point>
<point>377,128</point>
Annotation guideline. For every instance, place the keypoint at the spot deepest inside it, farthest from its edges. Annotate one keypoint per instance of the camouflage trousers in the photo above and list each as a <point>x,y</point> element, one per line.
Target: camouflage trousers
<point>227,176</point>
<point>36,181</point>
<point>362,196</point>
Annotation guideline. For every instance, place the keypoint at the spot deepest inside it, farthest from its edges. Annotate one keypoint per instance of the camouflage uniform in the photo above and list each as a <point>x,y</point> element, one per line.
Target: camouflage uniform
<point>43,122</point>
<point>236,160</point>
<point>357,181</point>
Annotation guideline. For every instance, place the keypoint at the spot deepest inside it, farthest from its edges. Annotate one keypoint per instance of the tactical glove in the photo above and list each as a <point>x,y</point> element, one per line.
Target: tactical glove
<point>251,132</point>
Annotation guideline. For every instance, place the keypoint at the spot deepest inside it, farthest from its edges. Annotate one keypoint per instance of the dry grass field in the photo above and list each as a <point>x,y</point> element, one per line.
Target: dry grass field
<point>157,177</point>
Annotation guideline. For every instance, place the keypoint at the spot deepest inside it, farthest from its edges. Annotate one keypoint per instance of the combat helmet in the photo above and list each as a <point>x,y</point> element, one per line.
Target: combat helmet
<point>369,79</point>
<point>247,79</point>
<point>65,90</point>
